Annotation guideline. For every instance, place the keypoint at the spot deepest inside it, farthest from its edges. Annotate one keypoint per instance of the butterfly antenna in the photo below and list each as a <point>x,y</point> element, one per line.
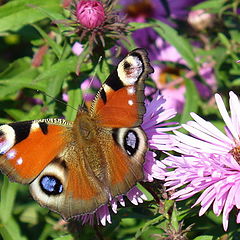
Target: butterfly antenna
<point>93,76</point>
<point>57,100</point>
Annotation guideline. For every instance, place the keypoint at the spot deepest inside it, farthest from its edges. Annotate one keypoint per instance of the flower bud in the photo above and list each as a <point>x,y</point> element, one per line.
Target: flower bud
<point>200,20</point>
<point>90,14</point>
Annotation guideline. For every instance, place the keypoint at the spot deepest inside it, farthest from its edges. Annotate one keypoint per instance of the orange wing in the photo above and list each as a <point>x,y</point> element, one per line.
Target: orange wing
<point>45,155</point>
<point>27,148</point>
<point>120,101</point>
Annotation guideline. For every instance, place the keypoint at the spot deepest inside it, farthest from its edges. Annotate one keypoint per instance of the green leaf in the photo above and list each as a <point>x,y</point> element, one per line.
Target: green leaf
<point>16,14</point>
<point>8,193</point>
<point>224,40</point>
<point>204,237</point>
<point>236,82</point>
<point>67,237</point>
<point>136,25</point>
<point>148,224</point>
<point>167,205</point>
<point>62,69</point>
<point>103,70</point>
<point>174,219</point>
<point>146,192</point>
<point>4,120</point>
<point>75,99</point>
<point>20,115</point>
<point>55,75</point>
<point>19,74</point>
<point>55,47</point>
<point>214,4</point>
<point>16,114</point>
<point>11,230</point>
<point>192,100</point>
<point>180,43</point>
<point>29,215</point>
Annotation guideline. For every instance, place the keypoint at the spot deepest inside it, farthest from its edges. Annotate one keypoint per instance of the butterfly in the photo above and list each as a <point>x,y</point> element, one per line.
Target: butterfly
<point>73,168</point>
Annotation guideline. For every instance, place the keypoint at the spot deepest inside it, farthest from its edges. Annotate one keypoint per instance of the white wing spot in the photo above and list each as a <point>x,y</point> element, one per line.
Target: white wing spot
<point>130,102</point>
<point>7,139</point>
<point>20,161</point>
<point>34,126</point>
<point>131,90</point>
<point>130,76</point>
<point>11,154</point>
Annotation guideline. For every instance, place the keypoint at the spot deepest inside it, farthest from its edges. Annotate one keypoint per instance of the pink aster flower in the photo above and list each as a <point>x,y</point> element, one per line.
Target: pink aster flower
<point>209,162</point>
<point>96,21</point>
<point>90,14</point>
<point>200,19</point>
<point>77,48</point>
<point>156,130</point>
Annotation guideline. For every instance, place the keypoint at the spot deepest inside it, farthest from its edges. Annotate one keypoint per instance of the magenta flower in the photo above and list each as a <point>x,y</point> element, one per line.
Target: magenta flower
<point>96,21</point>
<point>158,138</point>
<point>209,162</point>
<point>90,14</point>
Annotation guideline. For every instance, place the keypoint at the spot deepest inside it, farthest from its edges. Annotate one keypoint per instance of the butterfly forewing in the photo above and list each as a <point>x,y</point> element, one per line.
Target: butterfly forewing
<point>120,101</point>
<point>26,148</point>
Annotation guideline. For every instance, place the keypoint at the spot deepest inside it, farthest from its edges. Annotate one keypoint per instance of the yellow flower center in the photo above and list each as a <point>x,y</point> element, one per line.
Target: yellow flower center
<point>140,8</point>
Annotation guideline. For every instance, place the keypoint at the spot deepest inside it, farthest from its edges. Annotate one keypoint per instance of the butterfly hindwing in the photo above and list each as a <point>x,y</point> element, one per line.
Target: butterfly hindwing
<point>67,187</point>
<point>125,160</point>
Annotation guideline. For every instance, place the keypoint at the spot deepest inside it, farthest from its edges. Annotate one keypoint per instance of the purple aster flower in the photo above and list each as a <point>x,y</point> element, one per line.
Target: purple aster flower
<point>170,80</point>
<point>164,11</point>
<point>77,48</point>
<point>156,130</point>
<point>88,87</point>
<point>209,162</point>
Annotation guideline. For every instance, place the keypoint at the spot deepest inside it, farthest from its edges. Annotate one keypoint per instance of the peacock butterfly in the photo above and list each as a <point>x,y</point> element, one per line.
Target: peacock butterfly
<point>74,167</point>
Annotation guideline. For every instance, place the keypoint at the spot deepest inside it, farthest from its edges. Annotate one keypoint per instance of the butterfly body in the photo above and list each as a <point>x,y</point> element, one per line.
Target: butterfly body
<point>75,167</point>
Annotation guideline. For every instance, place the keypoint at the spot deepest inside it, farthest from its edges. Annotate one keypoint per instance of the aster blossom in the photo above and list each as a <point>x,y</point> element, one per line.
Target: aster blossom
<point>95,20</point>
<point>209,162</point>
<point>158,138</point>
<point>165,11</point>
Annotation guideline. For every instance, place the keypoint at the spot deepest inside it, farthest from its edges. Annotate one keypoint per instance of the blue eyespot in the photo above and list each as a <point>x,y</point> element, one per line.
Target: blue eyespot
<point>131,142</point>
<point>51,185</point>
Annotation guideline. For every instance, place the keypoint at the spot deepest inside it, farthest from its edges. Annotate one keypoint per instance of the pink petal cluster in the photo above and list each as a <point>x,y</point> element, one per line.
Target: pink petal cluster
<point>209,162</point>
<point>90,14</point>
<point>200,19</point>
<point>156,130</point>
<point>77,48</point>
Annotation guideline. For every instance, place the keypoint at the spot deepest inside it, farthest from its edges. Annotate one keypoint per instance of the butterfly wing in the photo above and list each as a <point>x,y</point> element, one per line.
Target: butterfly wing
<point>27,147</point>
<point>67,187</point>
<point>119,106</point>
<point>120,101</point>
<point>45,155</point>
